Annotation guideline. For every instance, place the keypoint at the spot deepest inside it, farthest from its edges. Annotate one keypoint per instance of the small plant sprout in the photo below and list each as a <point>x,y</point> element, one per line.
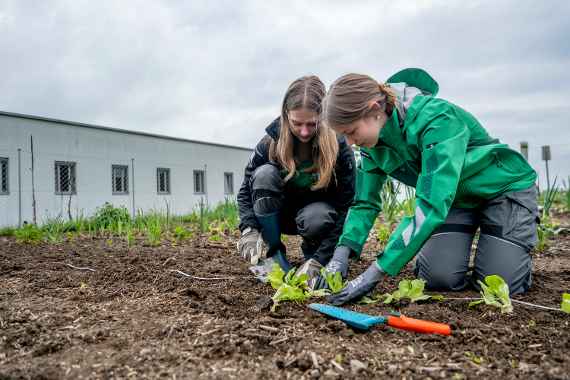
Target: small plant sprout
<point>413,290</point>
<point>334,280</point>
<point>290,287</point>
<point>565,305</point>
<point>495,292</point>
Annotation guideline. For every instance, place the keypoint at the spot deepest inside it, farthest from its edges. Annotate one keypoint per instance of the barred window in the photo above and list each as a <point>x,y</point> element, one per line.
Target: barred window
<point>65,178</point>
<point>4,190</point>
<point>163,180</point>
<point>199,183</point>
<point>228,183</point>
<point>120,179</point>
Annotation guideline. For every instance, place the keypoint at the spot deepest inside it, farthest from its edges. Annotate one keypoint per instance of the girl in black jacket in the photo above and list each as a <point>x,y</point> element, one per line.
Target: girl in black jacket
<point>299,181</point>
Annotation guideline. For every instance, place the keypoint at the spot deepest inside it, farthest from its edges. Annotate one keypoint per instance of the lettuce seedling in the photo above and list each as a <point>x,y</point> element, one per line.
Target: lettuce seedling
<point>565,305</point>
<point>334,281</point>
<point>495,292</point>
<point>290,287</point>
<point>408,289</point>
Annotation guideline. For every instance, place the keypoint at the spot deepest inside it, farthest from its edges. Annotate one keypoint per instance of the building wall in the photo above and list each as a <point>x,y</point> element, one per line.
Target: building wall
<point>95,150</point>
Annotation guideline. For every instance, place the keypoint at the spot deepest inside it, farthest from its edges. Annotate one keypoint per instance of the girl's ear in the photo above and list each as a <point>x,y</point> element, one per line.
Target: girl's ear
<point>373,106</point>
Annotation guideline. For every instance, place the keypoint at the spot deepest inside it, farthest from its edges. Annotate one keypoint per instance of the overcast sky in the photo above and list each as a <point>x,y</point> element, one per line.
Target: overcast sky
<point>217,70</point>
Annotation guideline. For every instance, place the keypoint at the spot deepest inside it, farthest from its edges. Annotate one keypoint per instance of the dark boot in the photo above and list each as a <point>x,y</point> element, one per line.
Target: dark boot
<point>272,235</point>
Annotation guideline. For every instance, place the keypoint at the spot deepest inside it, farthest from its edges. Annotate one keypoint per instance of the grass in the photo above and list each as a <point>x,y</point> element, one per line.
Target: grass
<point>111,222</point>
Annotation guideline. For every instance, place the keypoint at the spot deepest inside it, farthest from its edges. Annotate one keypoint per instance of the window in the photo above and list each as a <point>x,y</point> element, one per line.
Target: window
<point>199,183</point>
<point>163,180</point>
<point>228,183</point>
<point>4,176</point>
<point>65,178</point>
<point>120,179</point>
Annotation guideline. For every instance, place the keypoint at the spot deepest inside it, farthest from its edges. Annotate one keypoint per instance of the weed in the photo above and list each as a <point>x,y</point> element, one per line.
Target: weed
<point>29,234</point>
<point>7,231</point>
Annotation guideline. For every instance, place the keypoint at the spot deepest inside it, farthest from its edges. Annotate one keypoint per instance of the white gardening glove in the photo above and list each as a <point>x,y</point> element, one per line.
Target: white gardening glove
<point>251,245</point>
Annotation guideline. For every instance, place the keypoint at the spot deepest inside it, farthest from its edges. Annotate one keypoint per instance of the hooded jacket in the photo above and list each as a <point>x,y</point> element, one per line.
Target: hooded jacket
<point>442,151</point>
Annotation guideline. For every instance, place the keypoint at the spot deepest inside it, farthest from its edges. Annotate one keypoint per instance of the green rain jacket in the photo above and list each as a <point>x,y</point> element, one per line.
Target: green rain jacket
<point>441,150</point>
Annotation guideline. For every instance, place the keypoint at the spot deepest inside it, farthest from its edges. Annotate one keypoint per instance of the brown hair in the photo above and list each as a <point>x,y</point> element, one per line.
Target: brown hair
<point>351,96</point>
<point>308,93</point>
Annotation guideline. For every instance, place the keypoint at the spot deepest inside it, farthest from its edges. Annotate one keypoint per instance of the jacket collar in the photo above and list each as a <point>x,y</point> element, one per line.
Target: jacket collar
<point>273,129</point>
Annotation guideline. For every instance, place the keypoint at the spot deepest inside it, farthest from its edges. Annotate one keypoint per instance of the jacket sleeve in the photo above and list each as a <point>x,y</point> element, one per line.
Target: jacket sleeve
<point>259,157</point>
<point>366,206</point>
<point>345,171</point>
<point>443,143</point>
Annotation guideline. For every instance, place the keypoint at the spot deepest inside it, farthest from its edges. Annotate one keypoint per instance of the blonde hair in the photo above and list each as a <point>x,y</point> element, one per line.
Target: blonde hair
<point>306,93</point>
<point>351,97</point>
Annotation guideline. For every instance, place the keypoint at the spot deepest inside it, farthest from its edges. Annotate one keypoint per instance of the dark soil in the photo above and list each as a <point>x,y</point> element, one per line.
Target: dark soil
<point>135,318</point>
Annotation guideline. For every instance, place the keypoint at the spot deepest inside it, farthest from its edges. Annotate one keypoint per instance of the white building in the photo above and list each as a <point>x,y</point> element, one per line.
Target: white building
<point>78,167</point>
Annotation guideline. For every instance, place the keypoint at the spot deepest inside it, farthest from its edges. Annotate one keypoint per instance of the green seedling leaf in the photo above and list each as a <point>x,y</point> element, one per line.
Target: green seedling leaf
<point>565,305</point>
<point>412,290</point>
<point>375,298</point>
<point>319,293</point>
<point>334,281</point>
<point>495,292</point>
<point>290,287</point>
<point>276,276</point>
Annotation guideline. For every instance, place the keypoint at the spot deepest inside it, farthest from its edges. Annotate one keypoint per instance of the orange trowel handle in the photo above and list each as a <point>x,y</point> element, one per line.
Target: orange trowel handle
<point>418,325</point>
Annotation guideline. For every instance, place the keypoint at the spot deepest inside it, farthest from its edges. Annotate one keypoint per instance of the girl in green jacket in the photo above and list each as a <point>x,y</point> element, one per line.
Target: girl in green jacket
<point>464,180</point>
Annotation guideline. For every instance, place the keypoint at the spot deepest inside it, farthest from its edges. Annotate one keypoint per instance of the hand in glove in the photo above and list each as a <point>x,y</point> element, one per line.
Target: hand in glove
<point>251,246</point>
<point>338,263</point>
<point>358,287</point>
<point>311,268</point>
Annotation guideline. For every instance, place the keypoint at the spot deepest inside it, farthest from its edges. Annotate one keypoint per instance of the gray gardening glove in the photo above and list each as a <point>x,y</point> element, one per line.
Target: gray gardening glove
<point>358,287</point>
<point>312,268</point>
<point>338,263</point>
<point>251,245</point>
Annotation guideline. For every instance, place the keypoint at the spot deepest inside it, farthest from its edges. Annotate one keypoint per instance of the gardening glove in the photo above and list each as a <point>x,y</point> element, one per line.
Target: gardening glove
<point>265,266</point>
<point>311,268</point>
<point>358,287</point>
<point>251,245</point>
<point>338,263</point>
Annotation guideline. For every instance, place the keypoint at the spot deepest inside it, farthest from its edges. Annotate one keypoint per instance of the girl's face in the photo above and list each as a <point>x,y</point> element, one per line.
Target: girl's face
<point>363,132</point>
<point>303,124</point>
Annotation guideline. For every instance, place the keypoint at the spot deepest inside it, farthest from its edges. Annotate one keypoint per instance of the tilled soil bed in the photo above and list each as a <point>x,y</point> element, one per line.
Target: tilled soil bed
<point>133,317</point>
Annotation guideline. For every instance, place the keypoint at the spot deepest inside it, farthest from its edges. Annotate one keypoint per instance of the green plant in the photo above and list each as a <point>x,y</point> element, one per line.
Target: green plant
<point>549,198</point>
<point>565,304</point>
<point>108,217</point>
<point>412,290</point>
<point>154,232</point>
<point>495,292</point>
<point>290,287</point>
<point>383,233</point>
<point>130,236</point>
<point>181,233</point>
<point>390,203</point>
<point>54,229</point>
<point>408,206</point>
<point>334,281</point>
<point>7,231</point>
<point>566,195</point>
<point>545,230</point>
<point>29,234</point>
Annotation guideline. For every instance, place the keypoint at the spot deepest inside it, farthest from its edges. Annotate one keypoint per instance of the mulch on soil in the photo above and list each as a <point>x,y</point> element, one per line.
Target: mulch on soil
<point>134,317</point>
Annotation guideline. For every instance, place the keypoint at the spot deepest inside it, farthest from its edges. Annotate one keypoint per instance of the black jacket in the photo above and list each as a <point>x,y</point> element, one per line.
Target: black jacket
<point>339,193</point>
